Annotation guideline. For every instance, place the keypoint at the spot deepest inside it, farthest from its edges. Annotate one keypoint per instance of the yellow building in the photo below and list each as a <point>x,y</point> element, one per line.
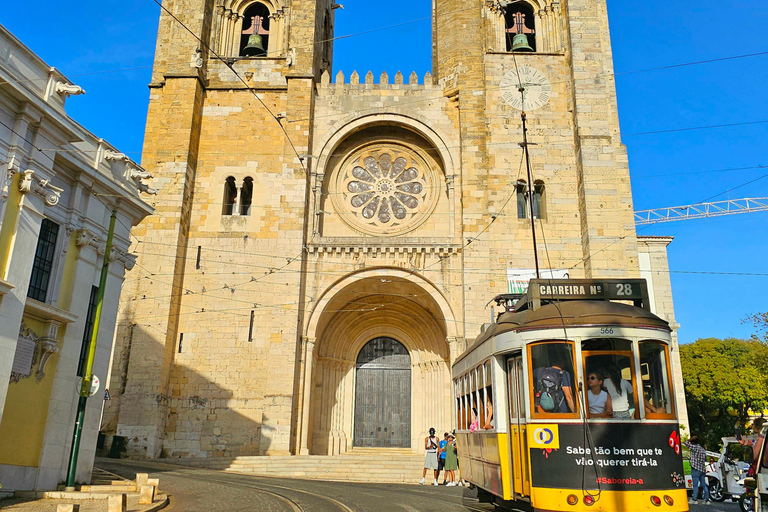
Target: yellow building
<point>325,243</point>
<point>58,185</point>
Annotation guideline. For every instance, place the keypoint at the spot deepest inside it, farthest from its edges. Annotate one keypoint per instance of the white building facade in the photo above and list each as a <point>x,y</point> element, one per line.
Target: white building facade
<point>58,186</point>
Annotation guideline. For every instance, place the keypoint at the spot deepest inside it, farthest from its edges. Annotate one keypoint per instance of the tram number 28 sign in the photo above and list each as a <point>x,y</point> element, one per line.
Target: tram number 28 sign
<point>590,289</point>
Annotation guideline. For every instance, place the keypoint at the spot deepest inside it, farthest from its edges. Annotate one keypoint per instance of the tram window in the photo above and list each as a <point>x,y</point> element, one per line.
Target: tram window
<point>488,422</point>
<point>765,455</point>
<point>457,395</point>
<point>552,385</point>
<point>614,360</point>
<point>655,378</point>
<point>512,383</point>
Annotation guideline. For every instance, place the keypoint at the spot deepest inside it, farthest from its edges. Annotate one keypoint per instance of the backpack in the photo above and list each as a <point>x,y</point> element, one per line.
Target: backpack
<point>549,395</point>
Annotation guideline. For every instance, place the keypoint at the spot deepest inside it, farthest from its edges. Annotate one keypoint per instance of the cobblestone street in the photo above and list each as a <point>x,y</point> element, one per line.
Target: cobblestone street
<point>193,489</point>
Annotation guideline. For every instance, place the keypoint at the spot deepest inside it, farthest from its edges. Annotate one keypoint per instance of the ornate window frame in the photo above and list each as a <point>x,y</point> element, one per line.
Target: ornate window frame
<point>228,27</point>
<point>385,188</point>
<point>547,23</point>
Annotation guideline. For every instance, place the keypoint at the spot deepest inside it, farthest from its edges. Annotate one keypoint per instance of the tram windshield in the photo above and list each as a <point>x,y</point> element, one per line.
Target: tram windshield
<point>612,362</point>
<point>654,365</point>
<point>612,387</point>
<point>553,379</point>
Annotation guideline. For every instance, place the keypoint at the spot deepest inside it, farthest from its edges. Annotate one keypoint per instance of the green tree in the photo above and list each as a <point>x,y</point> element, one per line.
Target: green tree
<point>724,380</point>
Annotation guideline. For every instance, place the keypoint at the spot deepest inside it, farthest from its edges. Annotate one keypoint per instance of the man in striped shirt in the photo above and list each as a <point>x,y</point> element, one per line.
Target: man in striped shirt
<point>698,469</point>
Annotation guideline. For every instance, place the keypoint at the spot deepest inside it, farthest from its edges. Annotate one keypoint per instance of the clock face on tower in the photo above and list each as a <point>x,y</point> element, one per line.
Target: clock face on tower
<point>535,84</point>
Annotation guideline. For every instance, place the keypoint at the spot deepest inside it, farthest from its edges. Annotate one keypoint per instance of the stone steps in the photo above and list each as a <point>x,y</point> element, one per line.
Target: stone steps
<point>388,466</point>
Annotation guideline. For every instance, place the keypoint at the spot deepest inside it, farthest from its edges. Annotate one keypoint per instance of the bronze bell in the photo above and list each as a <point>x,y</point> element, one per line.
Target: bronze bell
<point>254,48</point>
<point>520,43</point>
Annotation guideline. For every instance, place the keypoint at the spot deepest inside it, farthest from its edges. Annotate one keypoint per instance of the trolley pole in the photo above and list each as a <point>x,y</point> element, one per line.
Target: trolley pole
<point>531,188</point>
<point>85,387</point>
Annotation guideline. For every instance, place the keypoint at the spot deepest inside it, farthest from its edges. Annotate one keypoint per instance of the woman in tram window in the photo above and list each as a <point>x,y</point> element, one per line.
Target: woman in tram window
<point>599,399</point>
<point>621,391</point>
<point>489,423</point>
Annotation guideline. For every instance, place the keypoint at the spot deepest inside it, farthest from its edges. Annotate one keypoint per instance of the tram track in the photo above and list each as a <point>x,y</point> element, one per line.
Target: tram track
<point>295,505</point>
<point>290,497</point>
<point>429,496</point>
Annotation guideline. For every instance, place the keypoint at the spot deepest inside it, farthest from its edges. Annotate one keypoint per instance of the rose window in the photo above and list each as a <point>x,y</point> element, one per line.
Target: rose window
<point>386,190</point>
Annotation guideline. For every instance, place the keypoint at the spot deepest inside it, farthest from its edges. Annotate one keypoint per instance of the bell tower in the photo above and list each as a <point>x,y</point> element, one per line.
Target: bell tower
<point>228,132</point>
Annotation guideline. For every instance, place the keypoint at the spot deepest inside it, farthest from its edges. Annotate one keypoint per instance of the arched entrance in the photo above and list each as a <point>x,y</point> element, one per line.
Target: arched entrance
<point>383,395</point>
<point>368,305</point>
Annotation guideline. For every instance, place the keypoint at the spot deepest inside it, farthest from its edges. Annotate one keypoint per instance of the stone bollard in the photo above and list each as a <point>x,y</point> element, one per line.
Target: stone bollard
<point>154,482</point>
<point>146,495</point>
<point>141,479</point>
<point>69,507</point>
<point>117,503</point>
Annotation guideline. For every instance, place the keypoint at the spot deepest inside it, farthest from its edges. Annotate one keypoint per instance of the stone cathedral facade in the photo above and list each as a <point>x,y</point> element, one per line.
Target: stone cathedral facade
<point>315,226</point>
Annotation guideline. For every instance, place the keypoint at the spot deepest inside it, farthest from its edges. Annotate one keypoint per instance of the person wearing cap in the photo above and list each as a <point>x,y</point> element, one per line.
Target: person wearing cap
<point>451,461</point>
<point>433,451</point>
<point>441,458</point>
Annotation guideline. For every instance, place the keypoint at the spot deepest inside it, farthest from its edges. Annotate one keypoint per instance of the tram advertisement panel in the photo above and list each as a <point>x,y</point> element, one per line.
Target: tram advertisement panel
<point>621,456</point>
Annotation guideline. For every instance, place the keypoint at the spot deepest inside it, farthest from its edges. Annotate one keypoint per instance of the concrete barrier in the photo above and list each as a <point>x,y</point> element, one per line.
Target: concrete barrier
<point>141,479</point>
<point>146,495</point>
<point>117,503</point>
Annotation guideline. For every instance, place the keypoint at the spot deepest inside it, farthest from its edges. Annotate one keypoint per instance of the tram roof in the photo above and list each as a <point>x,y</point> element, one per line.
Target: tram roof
<point>550,308</point>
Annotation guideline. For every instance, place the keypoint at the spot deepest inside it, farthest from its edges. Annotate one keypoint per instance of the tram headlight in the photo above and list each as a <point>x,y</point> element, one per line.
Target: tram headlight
<point>656,501</point>
<point>573,499</point>
<point>668,500</point>
<point>589,500</point>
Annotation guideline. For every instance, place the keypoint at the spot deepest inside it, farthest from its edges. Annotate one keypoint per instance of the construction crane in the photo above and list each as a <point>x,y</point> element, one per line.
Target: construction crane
<point>701,210</point>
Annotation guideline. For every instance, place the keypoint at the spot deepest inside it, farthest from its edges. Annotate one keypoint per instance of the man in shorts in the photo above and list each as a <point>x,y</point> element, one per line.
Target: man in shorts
<point>432,446</point>
<point>441,457</point>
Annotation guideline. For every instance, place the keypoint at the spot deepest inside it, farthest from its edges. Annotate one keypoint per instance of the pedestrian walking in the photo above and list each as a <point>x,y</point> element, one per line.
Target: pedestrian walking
<point>698,470</point>
<point>441,457</point>
<point>451,461</point>
<point>430,461</point>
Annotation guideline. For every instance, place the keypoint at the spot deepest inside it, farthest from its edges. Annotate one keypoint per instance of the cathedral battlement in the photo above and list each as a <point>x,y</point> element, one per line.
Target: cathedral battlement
<point>366,82</point>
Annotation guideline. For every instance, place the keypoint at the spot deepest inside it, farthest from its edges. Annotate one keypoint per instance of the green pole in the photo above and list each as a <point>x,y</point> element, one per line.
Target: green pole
<point>85,387</point>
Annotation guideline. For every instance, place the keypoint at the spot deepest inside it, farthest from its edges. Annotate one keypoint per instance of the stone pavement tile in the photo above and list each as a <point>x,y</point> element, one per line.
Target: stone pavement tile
<point>49,505</point>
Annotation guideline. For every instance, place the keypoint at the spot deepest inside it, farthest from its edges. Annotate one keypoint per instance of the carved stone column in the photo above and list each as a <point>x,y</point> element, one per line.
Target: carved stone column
<point>541,45</point>
<point>308,356</point>
<point>450,184</point>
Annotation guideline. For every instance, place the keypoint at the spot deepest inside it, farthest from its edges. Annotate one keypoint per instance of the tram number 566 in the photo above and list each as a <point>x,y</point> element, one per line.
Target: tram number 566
<point>605,331</point>
<point>623,289</point>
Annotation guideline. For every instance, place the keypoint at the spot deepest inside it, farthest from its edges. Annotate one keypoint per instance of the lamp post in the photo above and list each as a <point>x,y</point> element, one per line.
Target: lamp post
<point>85,386</point>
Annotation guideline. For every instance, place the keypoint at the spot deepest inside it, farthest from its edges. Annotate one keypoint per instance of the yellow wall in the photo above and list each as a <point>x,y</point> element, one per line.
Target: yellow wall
<point>8,230</point>
<point>26,410</point>
<point>68,279</point>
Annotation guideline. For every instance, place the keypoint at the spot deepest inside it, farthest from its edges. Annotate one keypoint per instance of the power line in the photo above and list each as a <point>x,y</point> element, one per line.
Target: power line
<point>709,127</point>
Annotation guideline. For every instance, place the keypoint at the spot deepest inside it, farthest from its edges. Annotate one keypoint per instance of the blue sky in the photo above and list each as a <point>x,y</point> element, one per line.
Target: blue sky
<point>89,41</point>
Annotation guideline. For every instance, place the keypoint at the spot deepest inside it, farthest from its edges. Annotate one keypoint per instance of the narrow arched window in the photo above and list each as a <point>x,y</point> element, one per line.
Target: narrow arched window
<point>254,40</point>
<point>520,27</point>
<point>539,203</point>
<point>521,189</point>
<point>539,211</point>
<point>246,196</point>
<point>230,196</point>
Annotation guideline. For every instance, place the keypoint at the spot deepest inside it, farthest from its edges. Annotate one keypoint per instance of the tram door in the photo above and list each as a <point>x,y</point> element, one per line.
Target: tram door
<point>518,435</point>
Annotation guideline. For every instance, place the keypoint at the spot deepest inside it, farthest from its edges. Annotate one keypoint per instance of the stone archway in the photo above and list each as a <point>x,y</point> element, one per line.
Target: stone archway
<point>376,303</point>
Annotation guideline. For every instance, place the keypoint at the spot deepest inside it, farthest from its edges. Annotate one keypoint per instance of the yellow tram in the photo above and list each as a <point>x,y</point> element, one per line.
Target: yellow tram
<point>534,428</point>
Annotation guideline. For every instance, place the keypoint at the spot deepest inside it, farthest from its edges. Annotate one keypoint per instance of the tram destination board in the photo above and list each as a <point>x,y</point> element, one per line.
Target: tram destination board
<point>635,290</point>
<point>620,457</point>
